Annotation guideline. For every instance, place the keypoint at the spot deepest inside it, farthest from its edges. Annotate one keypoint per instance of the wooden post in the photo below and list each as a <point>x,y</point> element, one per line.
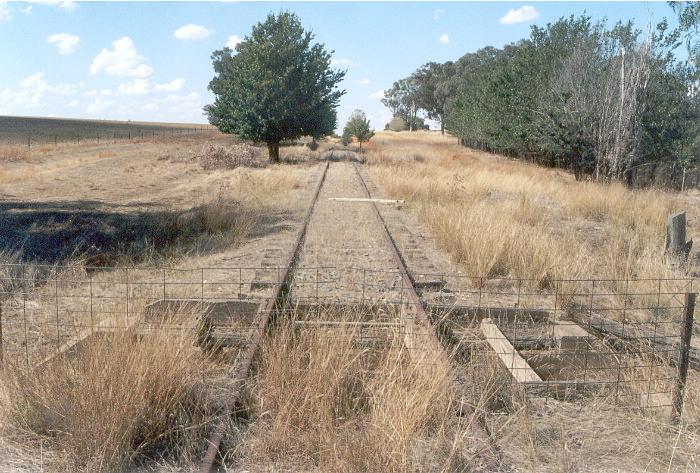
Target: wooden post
<point>677,249</point>
<point>683,357</point>
<point>2,350</point>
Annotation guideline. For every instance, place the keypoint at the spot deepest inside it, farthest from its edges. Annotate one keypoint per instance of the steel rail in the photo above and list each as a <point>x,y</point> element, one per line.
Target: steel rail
<point>416,309</point>
<point>262,319</point>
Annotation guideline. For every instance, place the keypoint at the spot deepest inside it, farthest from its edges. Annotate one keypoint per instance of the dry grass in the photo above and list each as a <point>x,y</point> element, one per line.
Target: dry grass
<point>498,217</point>
<point>14,153</point>
<point>118,401</point>
<point>322,402</point>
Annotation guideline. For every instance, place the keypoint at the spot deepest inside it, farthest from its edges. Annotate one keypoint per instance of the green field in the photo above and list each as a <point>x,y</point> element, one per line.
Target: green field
<point>38,130</point>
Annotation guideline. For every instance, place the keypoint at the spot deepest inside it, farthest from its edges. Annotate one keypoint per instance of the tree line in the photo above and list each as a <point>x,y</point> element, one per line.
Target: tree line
<point>599,100</point>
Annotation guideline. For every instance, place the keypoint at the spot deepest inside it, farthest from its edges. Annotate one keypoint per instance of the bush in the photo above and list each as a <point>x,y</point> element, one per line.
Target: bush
<point>397,124</point>
<point>227,157</point>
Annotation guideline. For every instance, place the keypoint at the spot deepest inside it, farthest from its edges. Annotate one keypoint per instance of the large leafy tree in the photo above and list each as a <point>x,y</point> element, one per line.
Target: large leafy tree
<point>276,85</point>
<point>435,88</point>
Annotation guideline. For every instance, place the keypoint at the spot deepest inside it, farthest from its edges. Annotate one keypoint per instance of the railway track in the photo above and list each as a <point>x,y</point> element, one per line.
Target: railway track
<point>420,339</point>
<point>275,301</point>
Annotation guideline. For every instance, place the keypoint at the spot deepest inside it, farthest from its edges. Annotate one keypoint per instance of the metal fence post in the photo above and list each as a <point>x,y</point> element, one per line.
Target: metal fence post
<point>683,357</point>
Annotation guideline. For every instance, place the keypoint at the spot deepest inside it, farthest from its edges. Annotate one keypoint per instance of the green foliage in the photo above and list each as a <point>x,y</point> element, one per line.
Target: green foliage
<point>596,99</point>
<point>403,99</point>
<point>277,85</point>
<point>436,85</point>
<point>357,126</point>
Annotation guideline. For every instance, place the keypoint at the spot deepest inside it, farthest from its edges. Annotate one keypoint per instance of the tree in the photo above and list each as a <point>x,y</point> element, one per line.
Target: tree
<point>435,87</point>
<point>402,100</point>
<point>357,126</point>
<point>277,85</point>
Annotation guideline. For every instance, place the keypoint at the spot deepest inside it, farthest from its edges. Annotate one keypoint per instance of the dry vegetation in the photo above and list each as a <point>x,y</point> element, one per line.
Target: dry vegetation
<point>14,153</point>
<point>321,399</point>
<point>117,402</point>
<point>501,217</point>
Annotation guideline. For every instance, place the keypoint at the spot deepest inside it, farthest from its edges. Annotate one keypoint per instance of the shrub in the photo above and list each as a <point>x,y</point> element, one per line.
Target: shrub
<point>397,124</point>
<point>214,156</point>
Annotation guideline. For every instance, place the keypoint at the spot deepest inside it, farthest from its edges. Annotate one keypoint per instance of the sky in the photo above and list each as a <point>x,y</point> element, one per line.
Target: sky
<point>151,61</point>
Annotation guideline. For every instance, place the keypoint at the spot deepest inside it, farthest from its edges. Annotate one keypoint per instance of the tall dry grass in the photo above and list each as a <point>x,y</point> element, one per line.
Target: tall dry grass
<point>320,400</point>
<point>119,401</point>
<point>502,218</point>
<point>14,153</point>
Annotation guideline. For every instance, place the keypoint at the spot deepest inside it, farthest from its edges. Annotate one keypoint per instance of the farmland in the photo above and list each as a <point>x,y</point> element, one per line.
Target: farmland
<point>28,131</point>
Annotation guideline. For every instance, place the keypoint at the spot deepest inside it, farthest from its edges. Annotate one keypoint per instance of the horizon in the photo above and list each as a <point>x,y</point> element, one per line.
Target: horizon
<point>109,61</point>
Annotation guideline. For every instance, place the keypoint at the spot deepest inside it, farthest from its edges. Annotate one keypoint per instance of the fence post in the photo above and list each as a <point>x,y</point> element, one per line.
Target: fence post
<point>683,357</point>
<point>677,249</point>
<point>2,351</point>
<point>29,142</point>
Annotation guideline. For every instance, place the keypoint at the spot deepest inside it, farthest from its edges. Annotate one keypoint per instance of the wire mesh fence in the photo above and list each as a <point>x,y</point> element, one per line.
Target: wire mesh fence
<point>30,141</point>
<point>568,339</point>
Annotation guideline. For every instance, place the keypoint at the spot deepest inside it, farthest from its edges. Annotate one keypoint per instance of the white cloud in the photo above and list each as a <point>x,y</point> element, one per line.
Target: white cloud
<point>172,86</point>
<point>135,87</point>
<point>233,41</point>
<point>444,39</point>
<point>192,32</point>
<point>32,92</point>
<point>67,5</point>
<point>5,12</point>
<point>121,60</point>
<point>438,12</point>
<point>344,62</point>
<point>364,81</point>
<point>96,93</point>
<point>98,105</point>
<point>66,43</point>
<point>521,15</point>
<point>186,107</point>
<point>146,86</point>
<point>378,95</point>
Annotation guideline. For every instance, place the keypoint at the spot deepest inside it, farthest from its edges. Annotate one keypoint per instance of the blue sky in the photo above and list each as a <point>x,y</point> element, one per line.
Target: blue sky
<point>151,60</point>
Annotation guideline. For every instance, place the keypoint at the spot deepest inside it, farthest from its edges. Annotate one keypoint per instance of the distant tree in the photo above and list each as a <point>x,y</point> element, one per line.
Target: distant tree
<point>435,88</point>
<point>403,100</point>
<point>276,86</point>
<point>358,126</point>
<point>346,137</point>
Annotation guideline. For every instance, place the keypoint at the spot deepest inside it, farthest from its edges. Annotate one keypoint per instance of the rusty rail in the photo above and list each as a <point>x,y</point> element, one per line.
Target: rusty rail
<point>262,318</point>
<point>416,310</point>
